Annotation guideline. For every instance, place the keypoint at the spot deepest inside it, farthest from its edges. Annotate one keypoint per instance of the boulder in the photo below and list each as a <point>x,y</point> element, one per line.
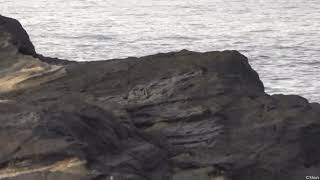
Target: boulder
<point>14,37</point>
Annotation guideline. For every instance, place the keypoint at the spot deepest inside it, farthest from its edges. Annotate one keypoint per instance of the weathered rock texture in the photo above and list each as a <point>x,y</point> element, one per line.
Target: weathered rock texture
<point>180,116</point>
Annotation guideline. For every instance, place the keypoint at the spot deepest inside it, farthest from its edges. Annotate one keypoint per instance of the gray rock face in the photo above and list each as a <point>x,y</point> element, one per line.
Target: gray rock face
<point>12,34</point>
<point>181,116</point>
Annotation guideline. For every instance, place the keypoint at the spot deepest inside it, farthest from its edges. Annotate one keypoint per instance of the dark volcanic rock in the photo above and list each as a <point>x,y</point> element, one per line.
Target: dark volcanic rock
<point>54,61</point>
<point>180,116</point>
<point>15,36</point>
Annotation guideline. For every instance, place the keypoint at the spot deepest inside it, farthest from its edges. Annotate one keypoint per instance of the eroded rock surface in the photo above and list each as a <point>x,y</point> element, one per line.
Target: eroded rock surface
<point>181,116</point>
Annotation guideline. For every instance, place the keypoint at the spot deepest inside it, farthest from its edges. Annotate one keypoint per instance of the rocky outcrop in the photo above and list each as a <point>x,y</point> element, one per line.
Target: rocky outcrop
<point>19,65</point>
<point>181,116</point>
<point>14,37</point>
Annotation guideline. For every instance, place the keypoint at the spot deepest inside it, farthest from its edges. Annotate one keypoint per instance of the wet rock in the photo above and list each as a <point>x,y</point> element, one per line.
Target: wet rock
<point>13,34</point>
<point>180,115</point>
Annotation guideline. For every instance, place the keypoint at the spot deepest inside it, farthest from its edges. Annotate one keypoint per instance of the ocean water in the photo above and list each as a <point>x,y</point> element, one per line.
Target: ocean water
<point>281,38</point>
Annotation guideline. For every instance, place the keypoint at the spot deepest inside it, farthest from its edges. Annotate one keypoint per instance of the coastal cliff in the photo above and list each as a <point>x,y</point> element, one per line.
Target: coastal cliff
<point>180,115</point>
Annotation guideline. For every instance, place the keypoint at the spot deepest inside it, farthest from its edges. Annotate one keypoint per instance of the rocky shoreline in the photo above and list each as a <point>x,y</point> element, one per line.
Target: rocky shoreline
<point>181,116</point>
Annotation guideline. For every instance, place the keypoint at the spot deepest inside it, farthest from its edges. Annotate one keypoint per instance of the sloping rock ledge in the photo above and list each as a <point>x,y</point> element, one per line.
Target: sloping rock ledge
<point>180,116</point>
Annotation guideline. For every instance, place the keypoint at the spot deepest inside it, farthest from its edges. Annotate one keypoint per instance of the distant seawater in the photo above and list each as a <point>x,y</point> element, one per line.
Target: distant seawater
<point>281,38</point>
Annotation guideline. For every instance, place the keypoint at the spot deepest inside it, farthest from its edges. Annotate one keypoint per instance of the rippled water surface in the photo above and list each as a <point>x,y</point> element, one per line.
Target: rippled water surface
<point>281,38</point>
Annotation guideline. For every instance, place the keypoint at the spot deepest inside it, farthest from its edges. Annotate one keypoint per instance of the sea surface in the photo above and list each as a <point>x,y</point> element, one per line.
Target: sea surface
<point>281,38</point>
